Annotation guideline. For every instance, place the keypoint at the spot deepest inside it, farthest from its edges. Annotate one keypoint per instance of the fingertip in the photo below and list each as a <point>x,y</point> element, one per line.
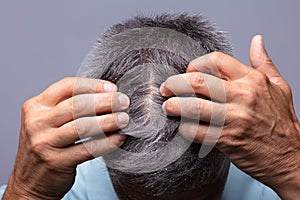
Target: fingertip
<point>124,100</point>
<point>162,89</point>
<point>183,128</point>
<point>123,119</point>
<point>116,140</point>
<point>258,52</point>
<point>258,38</point>
<point>164,108</point>
<point>165,91</point>
<point>258,43</point>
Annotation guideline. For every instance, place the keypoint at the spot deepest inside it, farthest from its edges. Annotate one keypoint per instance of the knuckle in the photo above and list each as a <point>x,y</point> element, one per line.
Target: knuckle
<point>28,105</point>
<point>31,125</point>
<point>217,57</point>
<point>91,149</point>
<point>70,103</point>
<point>244,120</point>
<point>96,148</point>
<point>224,140</point>
<point>87,155</point>
<point>231,138</point>
<point>111,101</point>
<point>197,80</point>
<point>249,95</point>
<point>262,79</point>
<point>229,142</point>
<point>38,147</point>
<point>51,161</point>
<point>111,97</point>
<point>244,116</point>
<point>67,82</point>
<point>97,84</point>
<point>253,97</point>
<point>229,115</point>
<point>109,121</point>
<point>79,105</point>
<point>196,108</point>
<point>79,128</point>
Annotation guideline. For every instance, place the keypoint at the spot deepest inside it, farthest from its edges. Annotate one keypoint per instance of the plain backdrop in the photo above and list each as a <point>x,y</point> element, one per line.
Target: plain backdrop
<point>44,41</point>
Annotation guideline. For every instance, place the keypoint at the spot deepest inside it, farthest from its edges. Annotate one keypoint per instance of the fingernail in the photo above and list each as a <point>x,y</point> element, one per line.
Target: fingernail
<point>108,87</point>
<point>124,100</point>
<point>122,137</point>
<point>123,119</point>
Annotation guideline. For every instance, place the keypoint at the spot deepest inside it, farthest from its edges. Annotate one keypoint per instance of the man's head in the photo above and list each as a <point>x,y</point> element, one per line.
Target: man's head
<point>155,161</point>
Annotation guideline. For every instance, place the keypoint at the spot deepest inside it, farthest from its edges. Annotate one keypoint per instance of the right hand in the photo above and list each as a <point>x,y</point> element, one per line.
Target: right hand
<point>52,122</point>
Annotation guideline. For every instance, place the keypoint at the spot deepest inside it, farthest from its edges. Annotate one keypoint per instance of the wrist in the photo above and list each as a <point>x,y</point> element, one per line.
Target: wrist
<point>290,188</point>
<point>12,191</point>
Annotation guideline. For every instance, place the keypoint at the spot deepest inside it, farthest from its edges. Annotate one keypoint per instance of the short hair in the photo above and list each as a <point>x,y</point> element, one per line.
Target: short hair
<point>188,172</point>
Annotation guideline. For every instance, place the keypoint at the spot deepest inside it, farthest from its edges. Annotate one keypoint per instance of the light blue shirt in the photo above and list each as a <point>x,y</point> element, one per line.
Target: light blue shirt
<point>93,183</point>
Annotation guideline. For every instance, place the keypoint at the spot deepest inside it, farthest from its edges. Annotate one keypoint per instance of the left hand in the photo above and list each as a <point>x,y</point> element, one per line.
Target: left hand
<point>260,133</point>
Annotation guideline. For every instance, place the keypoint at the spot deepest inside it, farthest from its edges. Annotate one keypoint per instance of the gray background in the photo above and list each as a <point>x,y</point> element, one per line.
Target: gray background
<point>43,41</point>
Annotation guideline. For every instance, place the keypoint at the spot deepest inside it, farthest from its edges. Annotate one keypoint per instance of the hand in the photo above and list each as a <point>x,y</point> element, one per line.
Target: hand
<point>260,133</point>
<point>52,123</point>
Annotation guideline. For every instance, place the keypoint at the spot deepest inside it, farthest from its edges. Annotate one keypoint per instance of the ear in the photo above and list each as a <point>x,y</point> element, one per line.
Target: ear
<point>261,61</point>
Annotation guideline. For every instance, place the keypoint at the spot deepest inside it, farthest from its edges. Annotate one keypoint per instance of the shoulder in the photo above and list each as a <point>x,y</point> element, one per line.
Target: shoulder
<point>92,180</point>
<point>243,187</point>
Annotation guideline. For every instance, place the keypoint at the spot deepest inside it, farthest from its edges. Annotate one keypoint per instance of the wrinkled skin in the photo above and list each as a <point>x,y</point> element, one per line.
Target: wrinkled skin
<point>52,122</point>
<point>261,130</point>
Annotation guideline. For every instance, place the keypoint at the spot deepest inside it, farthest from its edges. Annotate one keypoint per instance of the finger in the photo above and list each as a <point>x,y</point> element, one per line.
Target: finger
<point>196,83</point>
<point>89,105</point>
<point>72,86</point>
<point>195,108</point>
<point>200,133</point>
<point>220,65</point>
<point>87,127</point>
<point>261,61</point>
<point>91,149</point>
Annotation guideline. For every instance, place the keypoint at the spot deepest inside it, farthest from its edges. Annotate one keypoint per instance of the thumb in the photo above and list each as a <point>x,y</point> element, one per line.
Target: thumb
<point>261,61</point>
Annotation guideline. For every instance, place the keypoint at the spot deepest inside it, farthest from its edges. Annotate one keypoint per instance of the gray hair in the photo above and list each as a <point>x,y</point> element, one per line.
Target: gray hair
<point>139,70</point>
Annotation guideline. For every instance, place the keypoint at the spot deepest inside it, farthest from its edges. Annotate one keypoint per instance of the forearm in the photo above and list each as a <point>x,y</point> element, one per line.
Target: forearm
<point>16,190</point>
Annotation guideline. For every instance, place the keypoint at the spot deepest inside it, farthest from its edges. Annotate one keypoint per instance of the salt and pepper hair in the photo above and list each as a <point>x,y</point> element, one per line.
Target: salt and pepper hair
<point>189,172</point>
